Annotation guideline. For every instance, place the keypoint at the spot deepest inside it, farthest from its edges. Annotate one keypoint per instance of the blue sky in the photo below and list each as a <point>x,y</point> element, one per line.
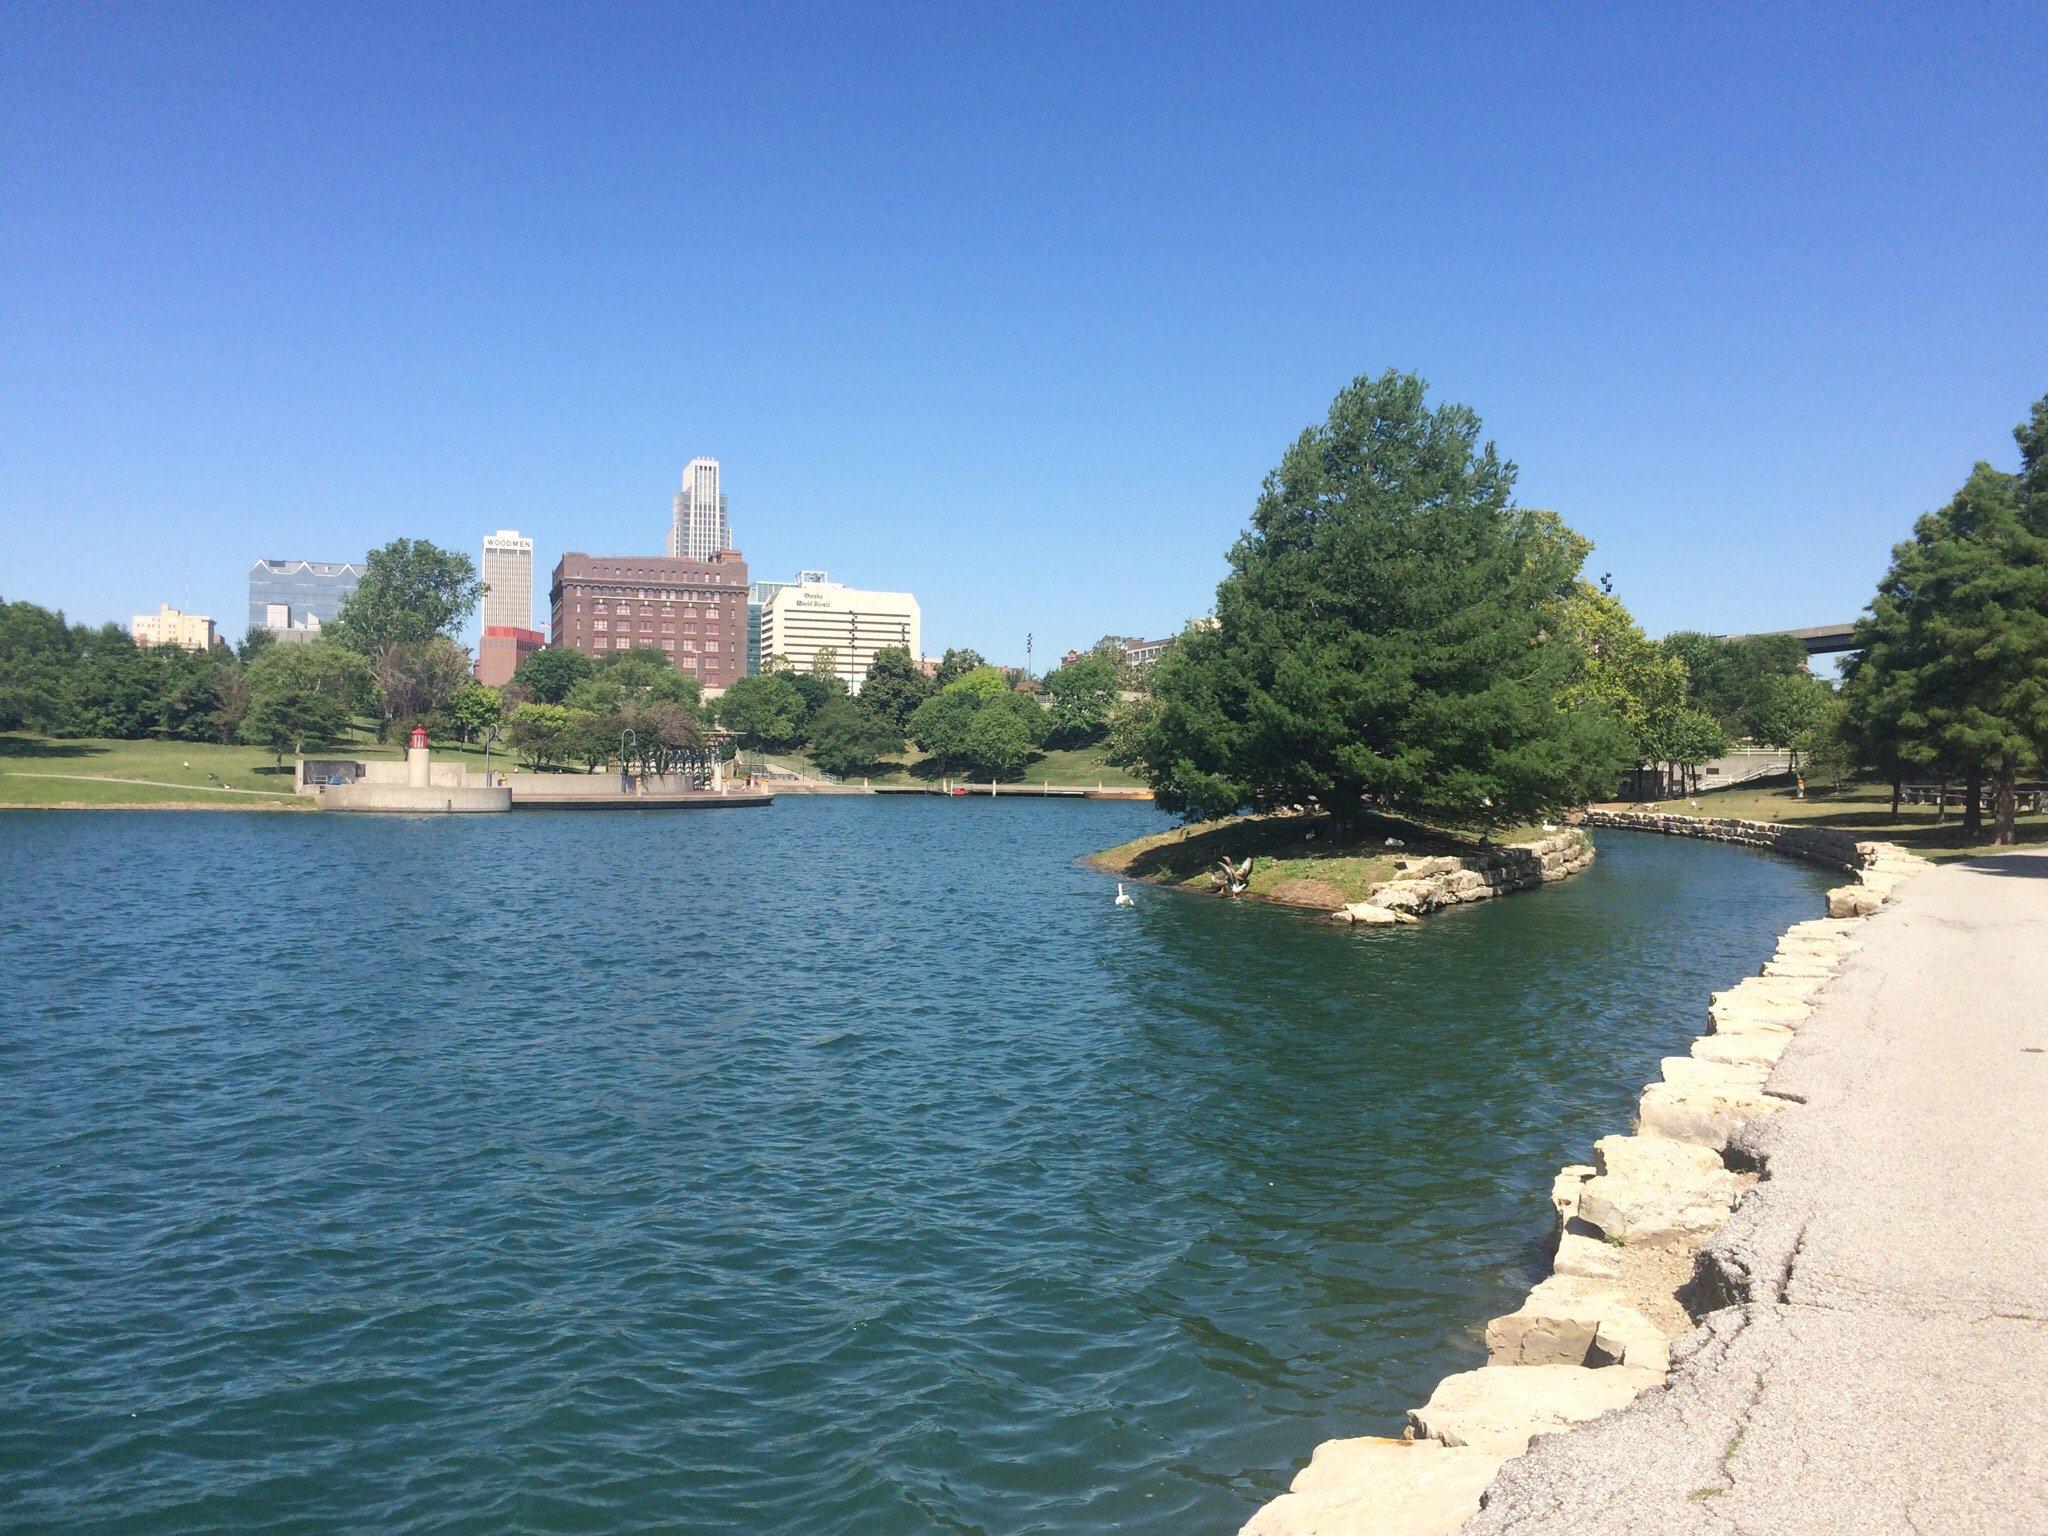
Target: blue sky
<point>1011,306</point>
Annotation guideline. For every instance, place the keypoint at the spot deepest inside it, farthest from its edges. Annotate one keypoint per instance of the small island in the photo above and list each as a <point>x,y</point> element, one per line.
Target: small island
<point>1377,871</point>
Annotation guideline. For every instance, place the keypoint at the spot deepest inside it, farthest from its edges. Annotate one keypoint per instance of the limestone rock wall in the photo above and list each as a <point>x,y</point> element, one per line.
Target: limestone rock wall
<point>1426,885</point>
<point>1599,1331</point>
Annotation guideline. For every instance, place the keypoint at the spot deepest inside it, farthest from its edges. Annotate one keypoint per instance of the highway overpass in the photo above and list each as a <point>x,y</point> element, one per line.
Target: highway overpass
<point>1823,641</point>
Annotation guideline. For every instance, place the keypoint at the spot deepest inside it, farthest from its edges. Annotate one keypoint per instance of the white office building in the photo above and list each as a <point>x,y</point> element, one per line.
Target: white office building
<point>800,618</point>
<point>699,530</point>
<point>508,580</point>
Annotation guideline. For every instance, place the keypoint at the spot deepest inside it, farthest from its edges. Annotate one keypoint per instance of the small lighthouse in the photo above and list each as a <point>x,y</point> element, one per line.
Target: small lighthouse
<point>417,758</point>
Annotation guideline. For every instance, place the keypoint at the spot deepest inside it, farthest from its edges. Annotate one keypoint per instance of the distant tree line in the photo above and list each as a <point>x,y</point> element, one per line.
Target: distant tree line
<point>389,660</point>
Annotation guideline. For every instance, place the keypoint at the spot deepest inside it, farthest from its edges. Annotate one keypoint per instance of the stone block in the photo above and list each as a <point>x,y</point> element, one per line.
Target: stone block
<point>1501,1408</point>
<point>1378,1487</point>
<point>1706,1116</point>
<point>1761,1046</point>
<point>1562,1321</point>
<point>1654,1191</point>
<point>1587,1257</point>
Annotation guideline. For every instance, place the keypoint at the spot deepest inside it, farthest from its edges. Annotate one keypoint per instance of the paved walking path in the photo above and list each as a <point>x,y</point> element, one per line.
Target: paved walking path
<point>1887,1367</point>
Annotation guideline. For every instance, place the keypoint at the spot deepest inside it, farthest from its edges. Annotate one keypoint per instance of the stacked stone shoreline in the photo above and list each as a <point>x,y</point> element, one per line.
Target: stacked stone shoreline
<point>1425,885</point>
<point>1628,1280</point>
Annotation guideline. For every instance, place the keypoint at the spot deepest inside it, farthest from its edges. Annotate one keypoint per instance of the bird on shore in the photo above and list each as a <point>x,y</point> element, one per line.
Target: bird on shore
<point>1123,897</point>
<point>1231,879</point>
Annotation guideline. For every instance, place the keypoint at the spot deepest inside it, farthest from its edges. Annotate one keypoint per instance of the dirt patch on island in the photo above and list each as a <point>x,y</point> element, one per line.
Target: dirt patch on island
<point>1302,892</point>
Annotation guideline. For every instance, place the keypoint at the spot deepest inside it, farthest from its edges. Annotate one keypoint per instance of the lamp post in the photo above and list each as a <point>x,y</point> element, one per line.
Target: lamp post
<point>625,773</point>
<point>490,740</point>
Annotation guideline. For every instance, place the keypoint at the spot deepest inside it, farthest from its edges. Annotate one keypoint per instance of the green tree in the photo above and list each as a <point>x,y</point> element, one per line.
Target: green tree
<point>816,689</point>
<point>324,668</point>
<point>1790,708</point>
<point>1685,738</point>
<point>410,591</point>
<point>416,677</point>
<point>766,713</point>
<point>547,675</point>
<point>940,725</point>
<point>1623,672</point>
<point>598,695</point>
<point>983,682</point>
<point>289,722</point>
<point>1005,734</point>
<point>472,710</point>
<point>302,696</point>
<point>1391,636</point>
<point>894,687</point>
<point>1732,680</point>
<point>541,734</point>
<point>954,664</point>
<point>1083,693</point>
<point>847,739</point>
<point>1953,671</point>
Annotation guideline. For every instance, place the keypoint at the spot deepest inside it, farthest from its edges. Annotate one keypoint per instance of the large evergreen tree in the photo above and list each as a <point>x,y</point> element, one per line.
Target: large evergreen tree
<point>1391,635</point>
<point>1953,670</point>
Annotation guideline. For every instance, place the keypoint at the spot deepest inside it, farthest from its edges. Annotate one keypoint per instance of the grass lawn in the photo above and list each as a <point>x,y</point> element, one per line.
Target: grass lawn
<point>1863,810</point>
<point>1081,766</point>
<point>42,770</point>
<point>1299,860</point>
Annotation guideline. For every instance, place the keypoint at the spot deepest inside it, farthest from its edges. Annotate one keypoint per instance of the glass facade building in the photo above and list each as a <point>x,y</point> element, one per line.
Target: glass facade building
<point>286,594</point>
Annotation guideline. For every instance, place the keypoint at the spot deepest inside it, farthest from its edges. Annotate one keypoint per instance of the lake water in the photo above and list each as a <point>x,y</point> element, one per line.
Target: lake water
<point>847,1167</point>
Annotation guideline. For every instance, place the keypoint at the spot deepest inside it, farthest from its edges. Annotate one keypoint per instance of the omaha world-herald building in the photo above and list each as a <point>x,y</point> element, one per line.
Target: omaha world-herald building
<point>693,611</point>
<point>793,621</point>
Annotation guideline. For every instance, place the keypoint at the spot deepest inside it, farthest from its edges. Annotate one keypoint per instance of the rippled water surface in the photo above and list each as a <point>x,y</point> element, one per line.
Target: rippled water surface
<point>850,1166</point>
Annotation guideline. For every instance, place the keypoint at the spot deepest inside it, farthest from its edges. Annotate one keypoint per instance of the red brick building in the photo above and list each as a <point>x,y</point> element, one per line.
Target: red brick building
<point>501,650</point>
<point>693,610</point>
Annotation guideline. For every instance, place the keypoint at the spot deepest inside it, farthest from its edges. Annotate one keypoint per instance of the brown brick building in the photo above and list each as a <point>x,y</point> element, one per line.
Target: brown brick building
<point>694,610</point>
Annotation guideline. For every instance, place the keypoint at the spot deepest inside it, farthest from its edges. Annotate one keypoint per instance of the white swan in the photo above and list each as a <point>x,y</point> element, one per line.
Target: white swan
<point>1123,897</point>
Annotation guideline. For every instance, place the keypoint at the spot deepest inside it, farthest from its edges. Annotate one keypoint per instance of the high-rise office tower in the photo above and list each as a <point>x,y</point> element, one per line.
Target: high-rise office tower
<point>699,530</point>
<point>508,580</point>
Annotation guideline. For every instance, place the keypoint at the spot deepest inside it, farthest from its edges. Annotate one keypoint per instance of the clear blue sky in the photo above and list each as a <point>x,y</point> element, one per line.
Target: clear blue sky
<point>1011,306</point>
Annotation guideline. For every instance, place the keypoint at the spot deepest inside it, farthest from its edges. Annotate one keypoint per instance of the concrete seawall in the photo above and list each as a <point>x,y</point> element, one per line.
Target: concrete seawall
<point>1614,1324</point>
<point>1816,845</point>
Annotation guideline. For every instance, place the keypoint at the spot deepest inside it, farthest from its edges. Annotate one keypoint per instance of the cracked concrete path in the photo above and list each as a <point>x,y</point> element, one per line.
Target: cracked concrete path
<point>1883,1366</point>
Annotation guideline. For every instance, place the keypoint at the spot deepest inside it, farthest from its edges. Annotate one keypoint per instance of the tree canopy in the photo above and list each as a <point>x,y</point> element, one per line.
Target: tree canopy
<point>849,739</point>
<point>1952,673</point>
<point>894,687</point>
<point>1082,694</point>
<point>411,590</point>
<point>1391,636</point>
<point>547,675</point>
<point>765,712</point>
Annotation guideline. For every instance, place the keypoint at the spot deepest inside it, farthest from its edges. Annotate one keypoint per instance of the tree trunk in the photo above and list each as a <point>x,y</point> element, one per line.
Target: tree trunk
<point>1973,802</point>
<point>1898,788</point>
<point>2002,791</point>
